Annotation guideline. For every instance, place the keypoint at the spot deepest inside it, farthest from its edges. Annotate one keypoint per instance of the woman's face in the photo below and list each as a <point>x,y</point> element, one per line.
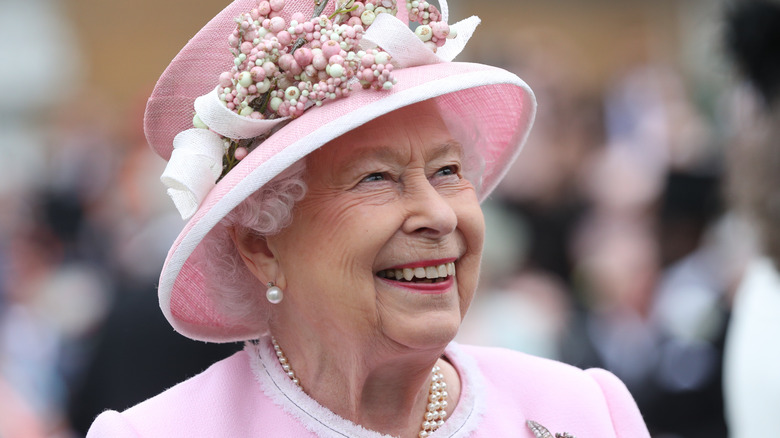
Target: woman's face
<point>385,199</point>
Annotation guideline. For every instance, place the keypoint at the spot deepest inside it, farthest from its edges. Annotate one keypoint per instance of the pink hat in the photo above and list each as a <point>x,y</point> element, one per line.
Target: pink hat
<point>498,103</point>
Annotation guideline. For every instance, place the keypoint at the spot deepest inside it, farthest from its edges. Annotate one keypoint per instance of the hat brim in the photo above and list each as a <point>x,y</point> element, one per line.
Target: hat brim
<point>498,103</point>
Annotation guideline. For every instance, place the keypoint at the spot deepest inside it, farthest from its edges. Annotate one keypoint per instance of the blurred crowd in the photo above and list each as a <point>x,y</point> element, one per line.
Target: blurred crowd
<point>625,256</point>
<point>611,243</point>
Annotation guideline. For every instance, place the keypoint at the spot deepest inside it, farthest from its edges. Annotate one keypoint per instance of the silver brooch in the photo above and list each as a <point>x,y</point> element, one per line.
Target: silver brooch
<point>542,432</point>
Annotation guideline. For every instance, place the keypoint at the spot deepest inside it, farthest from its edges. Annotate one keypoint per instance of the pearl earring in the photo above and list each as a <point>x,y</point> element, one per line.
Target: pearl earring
<point>274,294</point>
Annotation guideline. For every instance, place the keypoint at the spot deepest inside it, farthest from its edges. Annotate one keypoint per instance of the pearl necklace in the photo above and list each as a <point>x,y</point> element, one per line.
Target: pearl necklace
<point>435,412</point>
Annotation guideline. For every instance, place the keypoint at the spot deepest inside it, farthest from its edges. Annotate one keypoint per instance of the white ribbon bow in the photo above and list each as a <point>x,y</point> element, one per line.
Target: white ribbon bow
<point>406,49</point>
<point>195,165</point>
<point>196,161</point>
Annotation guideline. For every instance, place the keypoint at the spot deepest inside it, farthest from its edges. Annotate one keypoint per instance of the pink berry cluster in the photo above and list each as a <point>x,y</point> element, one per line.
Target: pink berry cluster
<point>433,31</point>
<point>420,11</point>
<point>284,67</point>
<point>364,11</point>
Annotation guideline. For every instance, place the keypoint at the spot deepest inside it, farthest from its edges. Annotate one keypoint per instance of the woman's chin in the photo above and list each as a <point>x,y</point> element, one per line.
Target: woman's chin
<point>419,319</point>
<point>428,330</point>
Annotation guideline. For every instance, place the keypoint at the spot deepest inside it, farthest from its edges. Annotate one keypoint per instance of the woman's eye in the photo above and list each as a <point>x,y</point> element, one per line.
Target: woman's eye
<point>447,171</point>
<point>376,176</point>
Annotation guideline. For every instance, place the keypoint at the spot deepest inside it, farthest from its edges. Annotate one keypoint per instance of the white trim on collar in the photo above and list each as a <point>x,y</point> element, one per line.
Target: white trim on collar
<point>324,423</point>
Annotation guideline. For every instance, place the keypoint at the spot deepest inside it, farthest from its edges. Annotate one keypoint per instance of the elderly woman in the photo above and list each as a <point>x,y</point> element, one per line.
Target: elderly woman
<point>343,237</point>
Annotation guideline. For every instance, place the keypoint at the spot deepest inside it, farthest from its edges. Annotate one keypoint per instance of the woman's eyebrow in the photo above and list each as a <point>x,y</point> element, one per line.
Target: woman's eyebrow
<point>379,152</point>
<point>387,153</point>
<point>446,148</point>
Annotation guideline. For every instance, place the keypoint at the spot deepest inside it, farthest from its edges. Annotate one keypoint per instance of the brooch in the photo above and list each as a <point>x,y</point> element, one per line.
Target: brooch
<point>542,432</point>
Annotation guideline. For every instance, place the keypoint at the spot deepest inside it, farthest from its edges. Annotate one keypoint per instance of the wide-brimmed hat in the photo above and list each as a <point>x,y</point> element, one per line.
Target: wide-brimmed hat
<point>496,102</point>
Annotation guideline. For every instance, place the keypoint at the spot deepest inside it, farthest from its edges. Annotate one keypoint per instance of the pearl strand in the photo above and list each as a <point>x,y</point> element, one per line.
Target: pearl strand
<point>285,363</point>
<point>437,404</point>
<point>436,410</point>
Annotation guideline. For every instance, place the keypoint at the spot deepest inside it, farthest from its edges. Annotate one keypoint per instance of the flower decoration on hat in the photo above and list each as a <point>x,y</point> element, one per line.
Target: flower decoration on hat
<point>282,68</point>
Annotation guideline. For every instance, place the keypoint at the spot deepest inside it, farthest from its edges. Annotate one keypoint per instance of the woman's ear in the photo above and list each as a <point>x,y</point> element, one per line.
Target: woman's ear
<point>258,257</point>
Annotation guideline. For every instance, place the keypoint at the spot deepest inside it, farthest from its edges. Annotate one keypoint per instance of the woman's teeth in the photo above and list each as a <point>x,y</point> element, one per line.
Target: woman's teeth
<point>431,273</point>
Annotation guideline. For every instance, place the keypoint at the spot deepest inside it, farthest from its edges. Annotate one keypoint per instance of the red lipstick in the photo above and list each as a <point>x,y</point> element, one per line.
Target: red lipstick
<point>437,288</point>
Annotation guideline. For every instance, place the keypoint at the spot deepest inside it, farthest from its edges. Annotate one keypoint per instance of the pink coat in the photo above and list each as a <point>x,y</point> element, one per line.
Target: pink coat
<point>248,395</point>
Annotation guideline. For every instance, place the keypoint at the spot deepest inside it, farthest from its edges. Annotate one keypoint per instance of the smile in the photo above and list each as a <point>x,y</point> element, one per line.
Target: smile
<point>421,274</point>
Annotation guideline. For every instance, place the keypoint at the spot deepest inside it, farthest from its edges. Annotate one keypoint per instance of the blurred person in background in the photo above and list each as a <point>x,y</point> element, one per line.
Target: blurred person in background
<point>752,360</point>
<point>657,325</point>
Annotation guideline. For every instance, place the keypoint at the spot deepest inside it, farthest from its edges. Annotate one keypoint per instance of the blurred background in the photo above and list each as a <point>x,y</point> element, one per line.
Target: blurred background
<point>611,243</point>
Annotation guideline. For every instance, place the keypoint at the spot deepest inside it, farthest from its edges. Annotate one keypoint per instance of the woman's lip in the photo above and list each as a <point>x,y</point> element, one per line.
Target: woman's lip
<point>423,288</point>
<point>424,263</point>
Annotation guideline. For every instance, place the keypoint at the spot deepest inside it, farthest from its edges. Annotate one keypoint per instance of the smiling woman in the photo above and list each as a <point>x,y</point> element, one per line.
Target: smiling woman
<point>401,202</point>
<point>332,175</point>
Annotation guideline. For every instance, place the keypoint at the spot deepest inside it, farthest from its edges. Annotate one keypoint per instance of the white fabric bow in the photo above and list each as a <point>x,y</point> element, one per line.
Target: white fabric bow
<point>196,161</point>
<point>406,49</point>
<point>192,169</point>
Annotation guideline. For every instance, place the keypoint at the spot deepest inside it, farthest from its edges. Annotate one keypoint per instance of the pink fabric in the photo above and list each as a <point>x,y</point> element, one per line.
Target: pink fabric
<point>506,388</point>
<point>587,404</point>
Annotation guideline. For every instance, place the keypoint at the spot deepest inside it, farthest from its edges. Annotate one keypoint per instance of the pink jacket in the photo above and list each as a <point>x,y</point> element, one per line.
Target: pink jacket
<point>248,395</point>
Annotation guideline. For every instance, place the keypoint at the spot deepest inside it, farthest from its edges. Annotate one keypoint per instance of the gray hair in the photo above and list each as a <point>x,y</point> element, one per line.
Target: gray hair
<point>230,285</point>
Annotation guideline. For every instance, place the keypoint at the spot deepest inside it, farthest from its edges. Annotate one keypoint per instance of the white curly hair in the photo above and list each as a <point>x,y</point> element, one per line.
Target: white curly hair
<point>231,286</point>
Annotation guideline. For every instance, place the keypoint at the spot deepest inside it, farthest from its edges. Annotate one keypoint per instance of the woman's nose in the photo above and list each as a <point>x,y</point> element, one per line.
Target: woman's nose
<point>429,213</point>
